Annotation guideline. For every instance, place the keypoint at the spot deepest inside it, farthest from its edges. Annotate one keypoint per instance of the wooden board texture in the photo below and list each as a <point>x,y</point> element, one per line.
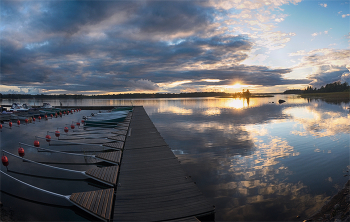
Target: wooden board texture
<point>152,186</point>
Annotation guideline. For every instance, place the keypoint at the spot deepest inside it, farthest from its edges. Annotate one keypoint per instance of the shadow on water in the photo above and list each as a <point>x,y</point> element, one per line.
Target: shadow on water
<point>73,208</point>
<point>89,181</point>
<point>44,177</point>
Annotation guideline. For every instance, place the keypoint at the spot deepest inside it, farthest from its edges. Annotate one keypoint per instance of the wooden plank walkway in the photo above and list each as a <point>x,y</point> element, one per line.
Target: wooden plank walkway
<point>114,157</point>
<point>106,174</point>
<point>152,185</point>
<point>96,202</point>
<point>100,202</point>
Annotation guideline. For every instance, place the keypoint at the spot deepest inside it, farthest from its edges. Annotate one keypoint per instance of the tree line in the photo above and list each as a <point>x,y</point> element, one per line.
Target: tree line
<point>330,87</point>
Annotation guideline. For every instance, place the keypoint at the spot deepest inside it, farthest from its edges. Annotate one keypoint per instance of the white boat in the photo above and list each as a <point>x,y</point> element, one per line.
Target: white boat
<point>18,108</point>
<point>47,106</point>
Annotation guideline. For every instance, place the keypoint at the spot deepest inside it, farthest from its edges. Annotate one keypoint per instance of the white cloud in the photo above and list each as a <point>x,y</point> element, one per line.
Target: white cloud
<point>319,33</point>
<point>345,15</point>
<point>345,77</point>
<point>279,19</point>
<point>323,5</point>
<point>298,53</point>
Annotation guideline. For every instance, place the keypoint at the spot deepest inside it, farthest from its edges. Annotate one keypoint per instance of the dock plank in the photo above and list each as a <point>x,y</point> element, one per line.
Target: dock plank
<point>107,174</point>
<point>95,202</point>
<point>114,156</point>
<point>152,186</point>
<point>115,145</point>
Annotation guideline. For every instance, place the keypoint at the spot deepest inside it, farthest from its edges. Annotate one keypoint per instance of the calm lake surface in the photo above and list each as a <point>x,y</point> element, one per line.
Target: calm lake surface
<point>253,159</point>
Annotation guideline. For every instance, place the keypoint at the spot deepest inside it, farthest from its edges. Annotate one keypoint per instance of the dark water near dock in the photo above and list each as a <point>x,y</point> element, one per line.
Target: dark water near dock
<point>255,160</point>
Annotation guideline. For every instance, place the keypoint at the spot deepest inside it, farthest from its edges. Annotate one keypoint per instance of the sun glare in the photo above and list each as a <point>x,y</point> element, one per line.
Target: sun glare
<point>237,85</point>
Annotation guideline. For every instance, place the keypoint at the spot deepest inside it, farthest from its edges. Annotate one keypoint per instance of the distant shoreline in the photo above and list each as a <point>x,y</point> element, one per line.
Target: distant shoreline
<point>137,95</point>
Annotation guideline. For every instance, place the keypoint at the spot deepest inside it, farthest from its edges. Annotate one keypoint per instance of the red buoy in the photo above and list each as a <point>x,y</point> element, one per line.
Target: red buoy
<point>66,129</point>
<point>39,117</point>
<point>72,126</point>
<point>82,121</point>
<point>78,124</point>
<point>18,122</point>
<point>10,124</point>
<point>57,133</point>
<point>51,115</point>
<point>48,138</point>
<point>34,119</point>
<point>21,152</point>
<point>26,121</point>
<point>64,112</point>
<point>36,143</point>
<point>4,161</point>
<point>74,110</point>
<point>45,116</point>
<point>0,126</point>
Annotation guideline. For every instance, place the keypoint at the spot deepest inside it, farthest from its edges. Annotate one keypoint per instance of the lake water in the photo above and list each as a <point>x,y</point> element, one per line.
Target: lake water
<point>253,159</point>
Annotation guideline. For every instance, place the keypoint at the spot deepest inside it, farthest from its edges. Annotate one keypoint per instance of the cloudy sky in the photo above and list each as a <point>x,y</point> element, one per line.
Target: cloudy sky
<point>99,47</point>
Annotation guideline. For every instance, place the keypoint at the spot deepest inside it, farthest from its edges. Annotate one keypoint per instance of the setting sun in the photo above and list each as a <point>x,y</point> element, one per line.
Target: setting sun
<point>237,85</point>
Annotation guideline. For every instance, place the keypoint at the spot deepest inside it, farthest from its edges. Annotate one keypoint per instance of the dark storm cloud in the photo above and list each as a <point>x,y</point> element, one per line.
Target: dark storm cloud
<point>121,46</point>
<point>171,17</point>
<point>70,16</point>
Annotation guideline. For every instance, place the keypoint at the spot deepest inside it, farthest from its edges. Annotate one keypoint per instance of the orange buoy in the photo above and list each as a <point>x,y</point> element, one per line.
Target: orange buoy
<point>34,119</point>
<point>18,122</point>
<point>10,124</point>
<point>21,152</point>
<point>4,160</point>
<point>36,143</point>
<point>48,138</point>
<point>51,115</point>
<point>57,133</point>
<point>45,116</point>
<point>26,121</point>
<point>39,117</point>
<point>72,126</point>
<point>66,129</point>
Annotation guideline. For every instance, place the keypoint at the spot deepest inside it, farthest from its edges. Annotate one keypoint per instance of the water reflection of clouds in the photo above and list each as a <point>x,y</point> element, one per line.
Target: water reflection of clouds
<point>212,112</point>
<point>267,154</point>
<point>174,109</point>
<point>243,157</point>
<point>319,123</point>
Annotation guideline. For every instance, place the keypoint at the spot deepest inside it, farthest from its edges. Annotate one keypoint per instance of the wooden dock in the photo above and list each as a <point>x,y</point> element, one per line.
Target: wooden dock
<point>152,185</point>
<point>97,202</point>
<point>149,182</point>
